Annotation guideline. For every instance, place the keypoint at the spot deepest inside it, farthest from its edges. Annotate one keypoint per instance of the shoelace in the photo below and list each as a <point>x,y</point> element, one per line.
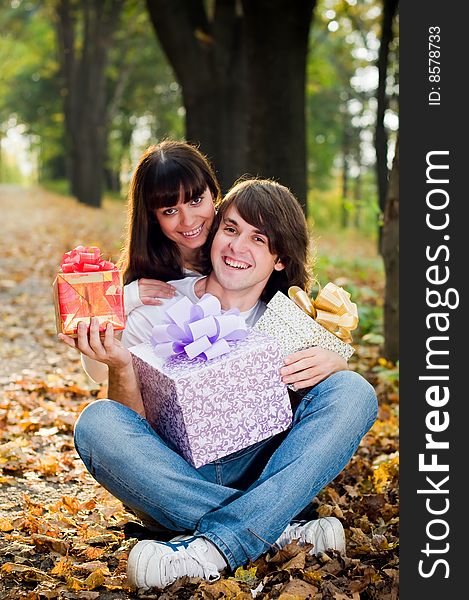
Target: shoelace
<point>301,537</point>
<point>187,561</point>
<point>299,533</point>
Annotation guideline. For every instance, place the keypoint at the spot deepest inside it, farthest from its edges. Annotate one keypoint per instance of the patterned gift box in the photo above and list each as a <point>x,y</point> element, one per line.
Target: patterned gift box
<point>78,296</point>
<point>208,409</point>
<point>295,330</point>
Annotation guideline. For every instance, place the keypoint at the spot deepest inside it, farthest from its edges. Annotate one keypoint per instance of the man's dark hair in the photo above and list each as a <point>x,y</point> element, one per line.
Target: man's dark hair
<point>274,211</point>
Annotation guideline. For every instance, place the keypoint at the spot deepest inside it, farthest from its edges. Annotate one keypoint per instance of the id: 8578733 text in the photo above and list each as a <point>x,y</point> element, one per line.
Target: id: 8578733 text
<point>434,66</point>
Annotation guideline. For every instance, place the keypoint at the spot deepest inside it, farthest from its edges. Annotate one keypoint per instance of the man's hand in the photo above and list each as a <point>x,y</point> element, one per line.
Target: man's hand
<point>311,366</point>
<point>109,350</point>
<point>150,290</point>
<point>106,349</point>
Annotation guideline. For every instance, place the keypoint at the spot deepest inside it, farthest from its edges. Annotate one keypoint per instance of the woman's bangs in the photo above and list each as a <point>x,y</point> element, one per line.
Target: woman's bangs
<point>168,184</point>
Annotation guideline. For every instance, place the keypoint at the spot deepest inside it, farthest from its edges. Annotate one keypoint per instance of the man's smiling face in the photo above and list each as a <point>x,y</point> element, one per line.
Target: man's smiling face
<point>240,255</point>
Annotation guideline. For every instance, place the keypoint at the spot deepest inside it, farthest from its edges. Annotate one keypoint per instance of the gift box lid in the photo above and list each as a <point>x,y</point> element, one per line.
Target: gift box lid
<point>305,328</point>
<point>181,366</point>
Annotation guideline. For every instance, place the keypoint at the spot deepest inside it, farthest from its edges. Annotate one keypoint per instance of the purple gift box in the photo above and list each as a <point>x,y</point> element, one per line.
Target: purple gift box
<point>208,409</point>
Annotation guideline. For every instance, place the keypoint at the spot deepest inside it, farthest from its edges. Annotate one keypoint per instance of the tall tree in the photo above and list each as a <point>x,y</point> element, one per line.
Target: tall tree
<point>381,138</point>
<point>85,34</point>
<point>277,48</point>
<point>207,52</point>
<point>242,71</point>
<point>390,253</point>
<point>29,86</point>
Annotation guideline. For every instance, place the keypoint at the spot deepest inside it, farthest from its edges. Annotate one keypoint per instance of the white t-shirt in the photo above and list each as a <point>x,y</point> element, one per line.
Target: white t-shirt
<point>141,321</point>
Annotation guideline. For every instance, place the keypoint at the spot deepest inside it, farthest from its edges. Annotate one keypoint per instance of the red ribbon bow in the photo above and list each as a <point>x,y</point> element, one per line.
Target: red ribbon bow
<point>85,259</point>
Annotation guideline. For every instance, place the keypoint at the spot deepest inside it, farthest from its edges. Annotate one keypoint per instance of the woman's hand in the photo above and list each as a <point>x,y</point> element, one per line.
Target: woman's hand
<point>105,348</point>
<point>311,366</point>
<point>150,290</point>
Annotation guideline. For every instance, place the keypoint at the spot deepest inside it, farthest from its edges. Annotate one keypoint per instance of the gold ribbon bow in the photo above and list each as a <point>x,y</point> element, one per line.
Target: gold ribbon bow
<point>332,309</point>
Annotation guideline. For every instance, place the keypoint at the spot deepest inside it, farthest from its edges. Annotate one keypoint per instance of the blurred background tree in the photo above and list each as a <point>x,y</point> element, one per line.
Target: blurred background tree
<point>302,92</point>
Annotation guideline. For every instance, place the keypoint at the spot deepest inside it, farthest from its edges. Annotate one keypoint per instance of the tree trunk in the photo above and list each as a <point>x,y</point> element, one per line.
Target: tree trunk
<point>381,138</point>
<point>277,46</point>
<point>208,58</point>
<point>243,82</point>
<point>390,253</point>
<point>83,64</point>
<point>357,197</point>
<point>345,179</point>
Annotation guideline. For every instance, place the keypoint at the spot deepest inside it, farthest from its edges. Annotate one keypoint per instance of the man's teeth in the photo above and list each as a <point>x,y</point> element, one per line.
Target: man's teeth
<point>236,264</point>
<point>192,233</point>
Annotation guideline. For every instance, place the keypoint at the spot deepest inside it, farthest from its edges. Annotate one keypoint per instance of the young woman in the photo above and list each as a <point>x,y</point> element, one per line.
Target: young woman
<point>172,199</point>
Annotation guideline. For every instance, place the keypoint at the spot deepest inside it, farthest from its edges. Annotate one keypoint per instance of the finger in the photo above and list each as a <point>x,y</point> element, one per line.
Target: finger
<point>299,365</point>
<point>163,285</point>
<point>108,340</point>
<point>82,339</point>
<point>307,352</point>
<point>150,301</point>
<point>304,378</point>
<point>94,337</point>
<point>303,375</point>
<point>66,339</point>
<point>156,292</point>
<point>308,383</point>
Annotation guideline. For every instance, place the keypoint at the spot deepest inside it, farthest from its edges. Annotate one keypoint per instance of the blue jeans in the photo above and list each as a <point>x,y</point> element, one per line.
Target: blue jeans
<point>242,502</point>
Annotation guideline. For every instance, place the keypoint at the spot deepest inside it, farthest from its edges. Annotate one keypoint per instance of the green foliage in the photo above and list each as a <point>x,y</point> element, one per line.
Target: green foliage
<point>146,97</point>
<point>143,95</point>
<point>325,206</point>
<point>29,87</point>
<point>340,109</point>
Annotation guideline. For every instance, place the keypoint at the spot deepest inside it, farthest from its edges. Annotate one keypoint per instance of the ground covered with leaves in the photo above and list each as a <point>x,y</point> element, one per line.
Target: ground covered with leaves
<point>61,534</point>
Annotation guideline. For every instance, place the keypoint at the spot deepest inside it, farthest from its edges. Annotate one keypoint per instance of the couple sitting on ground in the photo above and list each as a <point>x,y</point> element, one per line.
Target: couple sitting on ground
<point>231,511</point>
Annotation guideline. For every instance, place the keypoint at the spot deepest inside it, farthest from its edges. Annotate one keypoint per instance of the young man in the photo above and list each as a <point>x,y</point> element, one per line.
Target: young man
<point>237,507</point>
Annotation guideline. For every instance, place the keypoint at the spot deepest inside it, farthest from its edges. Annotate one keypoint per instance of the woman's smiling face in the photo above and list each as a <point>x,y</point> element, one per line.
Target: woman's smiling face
<point>188,223</point>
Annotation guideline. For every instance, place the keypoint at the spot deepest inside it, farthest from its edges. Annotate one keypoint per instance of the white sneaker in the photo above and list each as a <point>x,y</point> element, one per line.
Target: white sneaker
<point>324,534</point>
<point>158,564</point>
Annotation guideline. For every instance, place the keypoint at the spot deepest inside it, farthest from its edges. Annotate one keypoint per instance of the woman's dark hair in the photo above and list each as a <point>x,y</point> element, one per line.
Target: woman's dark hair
<point>162,171</point>
<point>273,210</point>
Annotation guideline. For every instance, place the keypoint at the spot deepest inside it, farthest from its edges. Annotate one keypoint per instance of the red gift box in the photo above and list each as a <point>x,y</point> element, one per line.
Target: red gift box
<point>88,286</point>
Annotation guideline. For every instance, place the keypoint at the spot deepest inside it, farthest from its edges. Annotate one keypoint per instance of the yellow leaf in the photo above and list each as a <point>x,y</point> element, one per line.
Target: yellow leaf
<point>385,473</point>
<point>5,525</point>
<point>312,576</point>
<point>63,568</point>
<point>92,553</point>
<point>245,575</point>
<point>74,584</point>
<point>70,504</point>
<point>48,465</point>
<point>95,579</point>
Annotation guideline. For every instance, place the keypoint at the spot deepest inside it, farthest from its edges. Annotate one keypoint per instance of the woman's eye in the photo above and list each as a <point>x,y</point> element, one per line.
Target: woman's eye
<point>196,201</point>
<point>170,211</point>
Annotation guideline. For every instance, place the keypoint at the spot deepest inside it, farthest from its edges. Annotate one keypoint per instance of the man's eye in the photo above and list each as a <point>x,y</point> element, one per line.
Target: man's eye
<point>230,229</point>
<point>259,239</point>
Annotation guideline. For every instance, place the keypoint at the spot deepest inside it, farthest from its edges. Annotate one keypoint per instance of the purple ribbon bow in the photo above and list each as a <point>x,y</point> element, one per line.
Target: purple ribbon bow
<point>198,329</point>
